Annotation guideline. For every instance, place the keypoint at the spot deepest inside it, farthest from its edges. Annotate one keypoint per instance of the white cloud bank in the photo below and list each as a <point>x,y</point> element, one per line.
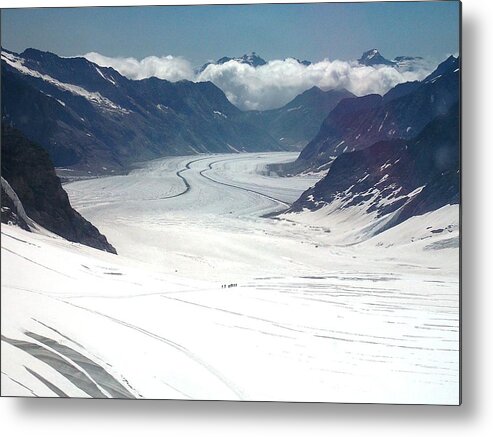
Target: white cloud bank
<point>271,85</point>
<point>166,67</point>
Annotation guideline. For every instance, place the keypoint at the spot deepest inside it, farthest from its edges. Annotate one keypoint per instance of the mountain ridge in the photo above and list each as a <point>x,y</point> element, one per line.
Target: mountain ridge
<point>373,57</point>
<point>251,59</point>
<point>393,180</point>
<point>95,120</point>
<point>295,123</point>
<point>402,112</point>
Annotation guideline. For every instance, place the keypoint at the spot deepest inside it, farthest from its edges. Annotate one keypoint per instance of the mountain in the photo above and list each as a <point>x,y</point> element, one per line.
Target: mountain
<point>251,59</point>
<point>450,64</point>
<point>373,57</point>
<point>93,119</point>
<point>391,181</point>
<point>33,195</point>
<point>402,63</point>
<point>403,112</point>
<point>298,121</point>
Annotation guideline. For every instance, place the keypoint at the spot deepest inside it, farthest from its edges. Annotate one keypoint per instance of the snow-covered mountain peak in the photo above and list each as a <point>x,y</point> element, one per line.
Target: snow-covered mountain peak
<point>251,59</point>
<point>19,63</point>
<point>373,57</point>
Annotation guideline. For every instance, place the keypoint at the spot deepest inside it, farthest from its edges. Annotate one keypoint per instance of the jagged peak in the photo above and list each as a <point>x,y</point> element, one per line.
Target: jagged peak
<point>449,65</point>
<point>373,57</point>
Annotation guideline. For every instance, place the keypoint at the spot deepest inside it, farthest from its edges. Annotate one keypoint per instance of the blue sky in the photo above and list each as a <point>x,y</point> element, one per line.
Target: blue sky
<point>199,33</point>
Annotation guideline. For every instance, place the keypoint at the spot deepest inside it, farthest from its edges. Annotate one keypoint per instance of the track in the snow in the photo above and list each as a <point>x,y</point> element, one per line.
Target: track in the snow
<point>209,167</point>
<point>188,187</point>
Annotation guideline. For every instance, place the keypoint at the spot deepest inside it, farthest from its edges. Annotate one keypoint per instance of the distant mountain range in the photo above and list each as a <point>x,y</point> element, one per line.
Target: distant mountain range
<point>369,58</point>
<point>357,123</point>
<point>392,156</point>
<point>95,120</point>
<point>251,59</point>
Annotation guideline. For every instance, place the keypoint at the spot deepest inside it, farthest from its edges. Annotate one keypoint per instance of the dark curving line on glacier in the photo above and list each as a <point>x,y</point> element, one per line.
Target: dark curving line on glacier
<point>34,262</point>
<point>209,167</point>
<point>188,187</point>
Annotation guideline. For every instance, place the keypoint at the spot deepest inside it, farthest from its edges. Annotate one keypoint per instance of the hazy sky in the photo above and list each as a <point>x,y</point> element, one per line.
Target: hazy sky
<point>200,33</point>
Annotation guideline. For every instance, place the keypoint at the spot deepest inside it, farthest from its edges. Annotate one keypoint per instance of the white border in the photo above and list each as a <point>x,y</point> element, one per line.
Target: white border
<point>474,418</point>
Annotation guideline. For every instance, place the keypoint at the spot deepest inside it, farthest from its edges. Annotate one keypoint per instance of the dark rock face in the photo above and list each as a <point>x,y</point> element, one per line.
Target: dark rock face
<point>29,171</point>
<point>298,121</point>
<point>404,177</point>
<point>403,112</point>
<point>449,65</point>
<point>92,118</point>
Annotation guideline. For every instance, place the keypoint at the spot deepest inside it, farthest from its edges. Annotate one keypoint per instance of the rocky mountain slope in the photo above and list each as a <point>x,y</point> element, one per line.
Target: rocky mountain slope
<point>373,57</point>
<point>393,180</point>
<point>297,122</point>
<point>403,112</point>
<point>31,192</point>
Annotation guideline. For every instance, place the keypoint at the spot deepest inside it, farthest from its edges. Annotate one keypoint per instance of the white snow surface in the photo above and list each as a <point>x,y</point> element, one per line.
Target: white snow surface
<point>312,318</point>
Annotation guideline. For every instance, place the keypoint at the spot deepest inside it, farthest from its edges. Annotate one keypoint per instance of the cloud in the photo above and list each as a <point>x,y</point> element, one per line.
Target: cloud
<point>166,67</point>
<point>276,83</point>
<point>271,85</point>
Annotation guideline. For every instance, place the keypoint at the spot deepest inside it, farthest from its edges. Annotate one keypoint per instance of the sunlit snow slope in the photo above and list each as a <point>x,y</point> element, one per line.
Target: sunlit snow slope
<point>309,320</point>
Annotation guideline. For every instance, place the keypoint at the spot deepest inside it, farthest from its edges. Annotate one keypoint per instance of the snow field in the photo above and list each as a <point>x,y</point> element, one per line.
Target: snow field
<point>312,318</point>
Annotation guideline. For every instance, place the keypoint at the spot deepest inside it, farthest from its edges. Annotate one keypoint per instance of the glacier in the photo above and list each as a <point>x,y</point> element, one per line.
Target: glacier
<point>317,314</point>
